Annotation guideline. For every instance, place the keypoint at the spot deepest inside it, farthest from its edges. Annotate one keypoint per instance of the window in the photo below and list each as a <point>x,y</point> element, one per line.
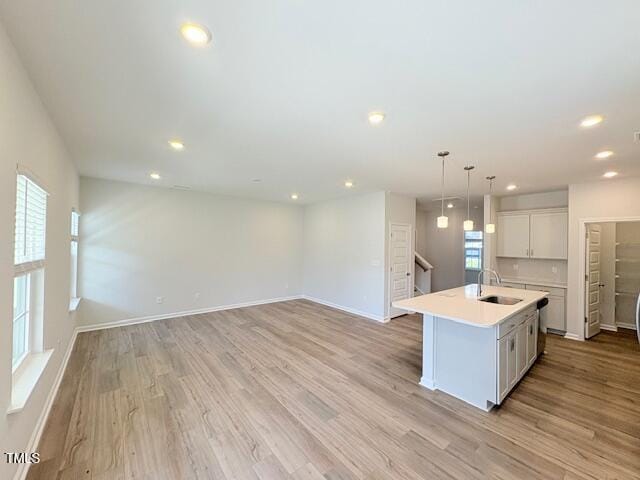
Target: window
<point>473,250</point>
<point>20,320</point>
<point>75,227</point>
<point>29,256</point>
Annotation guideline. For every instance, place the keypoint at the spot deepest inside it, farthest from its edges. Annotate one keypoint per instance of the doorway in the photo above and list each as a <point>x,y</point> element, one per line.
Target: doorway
<point>612,277</point>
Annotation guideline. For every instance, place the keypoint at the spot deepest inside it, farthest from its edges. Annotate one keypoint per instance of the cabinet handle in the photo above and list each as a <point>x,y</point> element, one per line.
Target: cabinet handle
<point>513,345</point>
<point>527,254</point>
<point>530,329</point>
<point>532,252</point>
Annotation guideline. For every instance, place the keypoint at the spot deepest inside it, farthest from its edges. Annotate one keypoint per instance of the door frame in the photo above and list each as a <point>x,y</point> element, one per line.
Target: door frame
<point>582,252</point>
<point>395,312</point>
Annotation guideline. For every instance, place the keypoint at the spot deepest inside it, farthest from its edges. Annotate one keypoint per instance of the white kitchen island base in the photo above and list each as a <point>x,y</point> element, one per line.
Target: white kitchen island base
<point>478,361</point>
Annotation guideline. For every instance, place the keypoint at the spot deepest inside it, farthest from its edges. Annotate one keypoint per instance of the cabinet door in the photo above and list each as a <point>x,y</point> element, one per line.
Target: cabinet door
<point>548,235</point>
<point>521,351</point>
<point>513,236</point>
<point>553,315</point>
<point>503,372</point>
<point>532,339</point>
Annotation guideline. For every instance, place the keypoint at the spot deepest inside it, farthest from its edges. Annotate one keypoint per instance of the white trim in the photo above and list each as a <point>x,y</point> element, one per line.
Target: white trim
<point>370,316</point>
<point>165,316</point>
<point>628,326</point>
<point>609,328</point>
<point>573,336</point>
<point>428,383</point>
<point>34,441</point>
<point>74,303</point>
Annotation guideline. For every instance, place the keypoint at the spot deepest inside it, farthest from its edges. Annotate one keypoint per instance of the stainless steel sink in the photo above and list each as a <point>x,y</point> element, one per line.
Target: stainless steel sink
<point>500,300</point>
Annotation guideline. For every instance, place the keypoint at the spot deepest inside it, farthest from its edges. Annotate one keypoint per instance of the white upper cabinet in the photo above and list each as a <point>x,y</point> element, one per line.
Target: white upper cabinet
<point>548,234</point>
<point>513,235</point>
<point>532,234</point>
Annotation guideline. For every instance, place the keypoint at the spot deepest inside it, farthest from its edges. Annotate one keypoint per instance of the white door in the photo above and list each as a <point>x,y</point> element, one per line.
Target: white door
<point>513,236</point>
<point>549,235</point>
<point>400,260</point>
<point>592,281</point>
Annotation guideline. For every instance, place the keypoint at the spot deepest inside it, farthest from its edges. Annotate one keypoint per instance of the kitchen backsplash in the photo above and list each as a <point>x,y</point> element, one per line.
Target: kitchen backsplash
<point>527,269</point>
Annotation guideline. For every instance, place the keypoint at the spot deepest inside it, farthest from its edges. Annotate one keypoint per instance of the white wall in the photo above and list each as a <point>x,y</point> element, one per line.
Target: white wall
<point>344,253</point>
<point>531,201</point>
<point>444,248</point>
<point>139,243</point>
<point>599,201</point>
<point>399,209</point>
<point>29,138</point>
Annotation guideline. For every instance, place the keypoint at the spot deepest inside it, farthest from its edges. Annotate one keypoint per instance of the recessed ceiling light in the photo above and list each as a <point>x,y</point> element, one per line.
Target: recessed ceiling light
<point>449,205</point>
<point>176,144</point>
<point>591,121</point>
<point>348,184</point>
<point>294,196</point>
<point>155,176</point>
<point>610,174</point>
<point>195,34</point>
<point>512,187</point>
<point>604,154</point>
<point>376,118</point>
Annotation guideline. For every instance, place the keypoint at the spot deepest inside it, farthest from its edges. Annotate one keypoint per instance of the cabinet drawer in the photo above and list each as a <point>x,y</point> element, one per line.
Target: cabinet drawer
<point>510,323</point>
<point>558,292</point>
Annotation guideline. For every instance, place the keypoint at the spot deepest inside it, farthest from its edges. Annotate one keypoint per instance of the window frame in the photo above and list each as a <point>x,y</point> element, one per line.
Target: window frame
<point>74,249</point>
<point>29,260</point>
<point>26,315</point>
<point>479,234</point>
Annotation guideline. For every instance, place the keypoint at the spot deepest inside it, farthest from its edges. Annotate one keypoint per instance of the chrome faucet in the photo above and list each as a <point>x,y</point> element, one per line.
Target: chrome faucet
<point>481,276</point>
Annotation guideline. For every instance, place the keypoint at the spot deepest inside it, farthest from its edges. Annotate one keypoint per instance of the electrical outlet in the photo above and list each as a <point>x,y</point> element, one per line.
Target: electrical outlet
<point>159,300</point>
<point>196,296</point>
<point>554,269</point>
<point>516,266</point>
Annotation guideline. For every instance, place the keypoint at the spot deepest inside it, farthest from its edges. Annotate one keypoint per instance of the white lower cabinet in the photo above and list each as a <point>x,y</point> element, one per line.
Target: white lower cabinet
<point>516,351</point>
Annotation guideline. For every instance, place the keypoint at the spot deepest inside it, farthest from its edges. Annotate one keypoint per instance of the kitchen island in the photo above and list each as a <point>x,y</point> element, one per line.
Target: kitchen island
<point>473,348</point>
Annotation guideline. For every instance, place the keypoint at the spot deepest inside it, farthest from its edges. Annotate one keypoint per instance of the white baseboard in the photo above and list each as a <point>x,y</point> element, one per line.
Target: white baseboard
<point>32,446</point>
<point>370,316</point>
<point>165,316</point>
<point>573,336</point>
<point>629,326</point>
<point>428,383</point>
<point>609,328</point>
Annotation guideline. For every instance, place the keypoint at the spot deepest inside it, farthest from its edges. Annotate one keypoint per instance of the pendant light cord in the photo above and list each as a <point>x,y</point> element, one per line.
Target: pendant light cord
<point>442,185</point>
<point>468,184</point>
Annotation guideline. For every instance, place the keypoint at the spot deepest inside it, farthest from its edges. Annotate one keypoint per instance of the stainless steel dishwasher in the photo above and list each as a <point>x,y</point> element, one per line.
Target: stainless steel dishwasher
<point>542,335</point>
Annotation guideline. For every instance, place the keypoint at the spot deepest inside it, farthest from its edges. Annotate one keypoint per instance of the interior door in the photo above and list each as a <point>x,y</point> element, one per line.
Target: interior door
<point>592,280</point>
<point>400,259</point>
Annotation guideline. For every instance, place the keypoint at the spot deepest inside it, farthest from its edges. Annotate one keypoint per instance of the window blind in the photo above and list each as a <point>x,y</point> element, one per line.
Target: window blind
<point>31,220</point>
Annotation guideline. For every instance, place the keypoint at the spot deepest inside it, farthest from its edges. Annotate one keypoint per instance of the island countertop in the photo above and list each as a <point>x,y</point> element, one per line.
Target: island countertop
<point>462,305</point>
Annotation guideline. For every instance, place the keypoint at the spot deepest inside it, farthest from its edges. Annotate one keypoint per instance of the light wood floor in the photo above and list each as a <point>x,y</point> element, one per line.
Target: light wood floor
<point>299,391</point>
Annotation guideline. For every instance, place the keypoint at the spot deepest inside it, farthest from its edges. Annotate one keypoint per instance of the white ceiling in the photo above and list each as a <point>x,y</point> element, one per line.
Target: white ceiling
<point>282,93</point>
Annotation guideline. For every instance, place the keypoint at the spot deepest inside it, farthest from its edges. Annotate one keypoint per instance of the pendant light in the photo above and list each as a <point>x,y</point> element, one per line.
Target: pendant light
<point>490,227</point>
<point>443,221</point>
<point>468,223</point>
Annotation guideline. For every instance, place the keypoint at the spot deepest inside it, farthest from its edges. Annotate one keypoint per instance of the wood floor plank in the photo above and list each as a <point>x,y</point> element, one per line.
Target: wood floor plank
<point>298,391</point>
